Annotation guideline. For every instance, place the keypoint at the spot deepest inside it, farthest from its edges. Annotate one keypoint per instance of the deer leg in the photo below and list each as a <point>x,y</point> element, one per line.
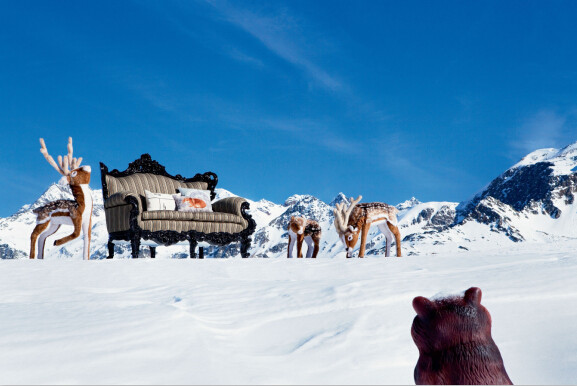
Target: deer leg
<point>389,241</point>
<point>66,239</point>
<point>77,222</point>
<point>310,246</point>
<point>87,231</point>
<point>35,233</point>
<point>53,228</point>
<point>365,232</point>
<point>300,239</point>
<point>388,237</point>
<point>395,231</point>
<point>317,242</point>
<point>291,245</point>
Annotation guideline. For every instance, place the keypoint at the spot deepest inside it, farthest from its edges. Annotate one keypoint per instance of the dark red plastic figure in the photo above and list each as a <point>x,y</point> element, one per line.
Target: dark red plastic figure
<point>453,336</point>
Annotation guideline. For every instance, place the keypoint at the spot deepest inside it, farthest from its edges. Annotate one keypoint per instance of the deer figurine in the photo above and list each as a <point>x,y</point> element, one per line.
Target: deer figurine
<point>358,218</point>
<point>77,212</point>
<point>300,229</point>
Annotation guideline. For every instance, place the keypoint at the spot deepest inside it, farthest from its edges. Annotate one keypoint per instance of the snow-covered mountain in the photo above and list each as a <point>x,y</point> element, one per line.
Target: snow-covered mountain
<point>532,201</point>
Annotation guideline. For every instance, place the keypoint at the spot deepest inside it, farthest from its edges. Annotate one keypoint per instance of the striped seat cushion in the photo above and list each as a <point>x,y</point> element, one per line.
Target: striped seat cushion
<point>217,217</point>
<point>185,226</point>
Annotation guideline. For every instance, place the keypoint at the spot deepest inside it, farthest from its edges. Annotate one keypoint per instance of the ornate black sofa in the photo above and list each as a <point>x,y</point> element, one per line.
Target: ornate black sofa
<point>127,218</point>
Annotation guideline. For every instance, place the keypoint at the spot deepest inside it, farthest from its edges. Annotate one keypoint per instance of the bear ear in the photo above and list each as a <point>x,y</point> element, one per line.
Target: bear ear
<point>473,295</point>
<point>422,306</point>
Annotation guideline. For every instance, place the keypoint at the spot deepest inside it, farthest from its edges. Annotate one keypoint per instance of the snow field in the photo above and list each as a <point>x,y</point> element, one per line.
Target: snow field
<point>275,321</point>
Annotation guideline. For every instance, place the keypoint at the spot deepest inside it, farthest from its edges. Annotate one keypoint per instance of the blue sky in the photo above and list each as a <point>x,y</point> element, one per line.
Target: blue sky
<point>385,99</point>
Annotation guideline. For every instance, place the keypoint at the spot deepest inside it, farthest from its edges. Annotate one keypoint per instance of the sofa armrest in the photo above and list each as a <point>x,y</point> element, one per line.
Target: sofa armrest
<point>231,205</point>
<point>123,211</point>
<point>121,198</point>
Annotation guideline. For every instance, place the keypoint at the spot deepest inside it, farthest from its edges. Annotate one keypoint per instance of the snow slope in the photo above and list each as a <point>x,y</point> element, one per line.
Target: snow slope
<point>329,320</point>
<point>275,321</point>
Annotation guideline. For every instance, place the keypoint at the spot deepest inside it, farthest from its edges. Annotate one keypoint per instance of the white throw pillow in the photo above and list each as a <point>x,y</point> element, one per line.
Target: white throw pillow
<point>159,201</point>
<point>193,200</point>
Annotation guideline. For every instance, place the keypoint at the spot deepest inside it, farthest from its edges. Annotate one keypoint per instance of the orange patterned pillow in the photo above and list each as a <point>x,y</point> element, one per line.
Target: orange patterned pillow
<point>193,203</point>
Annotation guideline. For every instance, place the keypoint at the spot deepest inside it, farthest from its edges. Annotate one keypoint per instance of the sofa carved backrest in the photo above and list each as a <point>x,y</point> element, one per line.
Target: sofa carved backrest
<point>145,172</point>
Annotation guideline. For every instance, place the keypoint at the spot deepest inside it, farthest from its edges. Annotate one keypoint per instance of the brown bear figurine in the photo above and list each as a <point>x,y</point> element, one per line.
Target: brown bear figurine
<point>453,336</point>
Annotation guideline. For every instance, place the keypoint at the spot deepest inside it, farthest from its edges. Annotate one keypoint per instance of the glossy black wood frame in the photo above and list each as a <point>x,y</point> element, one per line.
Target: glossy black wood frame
<point>145,164</point>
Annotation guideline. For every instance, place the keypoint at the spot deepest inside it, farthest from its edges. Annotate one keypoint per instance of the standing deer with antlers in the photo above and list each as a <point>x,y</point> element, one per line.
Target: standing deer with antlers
<point>77,212</point>
<point>358,218</point>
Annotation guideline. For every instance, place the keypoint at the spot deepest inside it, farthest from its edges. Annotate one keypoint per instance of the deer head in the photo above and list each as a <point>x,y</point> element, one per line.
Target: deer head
<point>78,175</point>
<point>298,224</point>
<point>348,234</point>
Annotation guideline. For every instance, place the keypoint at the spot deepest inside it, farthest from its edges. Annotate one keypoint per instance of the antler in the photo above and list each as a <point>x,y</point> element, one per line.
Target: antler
<point>342,214</point>
<point>63,163</point>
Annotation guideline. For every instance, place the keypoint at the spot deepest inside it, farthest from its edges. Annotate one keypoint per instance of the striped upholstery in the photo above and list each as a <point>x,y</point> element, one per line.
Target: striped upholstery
<point>194,216</point>
<point>118,218</point>
<point>229,205</point>
<point>226,215</point>
<point>199,226</point>
<point>118,199</point>
<point>138,182</point>
<point>117,211</point>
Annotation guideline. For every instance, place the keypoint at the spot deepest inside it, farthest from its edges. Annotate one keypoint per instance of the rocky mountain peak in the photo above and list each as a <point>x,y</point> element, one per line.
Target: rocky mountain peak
<point>339,199</point>
<point>543,183</point>
<point>299,199</point>
<point>527,187</point>
<point>408,204</point>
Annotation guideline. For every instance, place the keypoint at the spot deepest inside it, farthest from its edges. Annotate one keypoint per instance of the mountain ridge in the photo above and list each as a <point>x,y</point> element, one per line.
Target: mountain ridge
<point>533,200</point>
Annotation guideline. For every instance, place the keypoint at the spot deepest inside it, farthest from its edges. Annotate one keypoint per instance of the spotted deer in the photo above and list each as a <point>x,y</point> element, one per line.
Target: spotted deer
<point>300,229</point>
<point>358,218</point>
<point>77,212</point>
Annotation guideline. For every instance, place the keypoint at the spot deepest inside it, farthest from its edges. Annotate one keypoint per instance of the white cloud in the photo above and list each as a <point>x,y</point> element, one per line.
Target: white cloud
<point>240,56</point>
<point>282,35</point>
<point>543,130</point>
<point>316,133</point>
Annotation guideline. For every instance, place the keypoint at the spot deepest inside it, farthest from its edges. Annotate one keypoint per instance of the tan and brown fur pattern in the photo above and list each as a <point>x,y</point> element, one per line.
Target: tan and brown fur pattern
<point>301,229</point>
<point>55,208</point>
<point>357,219</point>
<point>77,212</point>
<point>364,215</point>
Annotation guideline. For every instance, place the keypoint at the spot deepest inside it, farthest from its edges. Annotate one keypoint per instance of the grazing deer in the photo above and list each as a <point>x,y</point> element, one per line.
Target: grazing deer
<point>77,212</point>
<point>301,229</point>
<point>359,218</point>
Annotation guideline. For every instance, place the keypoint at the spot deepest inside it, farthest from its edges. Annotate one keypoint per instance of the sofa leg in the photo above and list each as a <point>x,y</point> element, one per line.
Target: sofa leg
<point>135,244</point>
<point>110,249</point>
<point>201,253</point>
<point>152,252</point>
<point>193,244</point>
<point>244,246</point>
